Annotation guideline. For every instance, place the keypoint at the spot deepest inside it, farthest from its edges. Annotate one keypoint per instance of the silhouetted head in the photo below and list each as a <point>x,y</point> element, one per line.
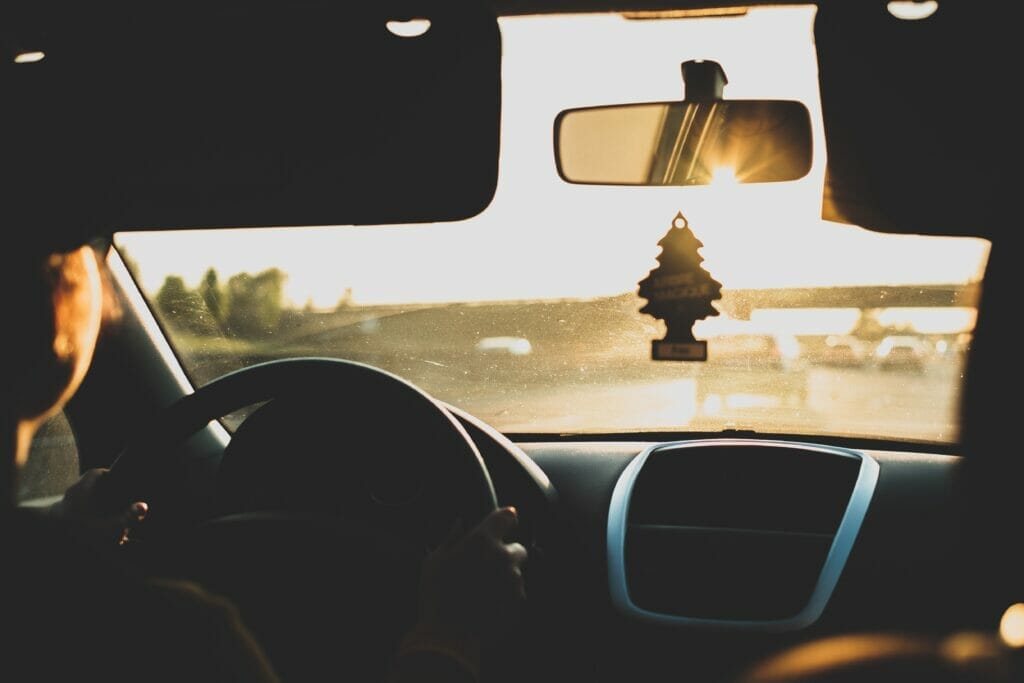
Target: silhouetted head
<point>56,305</point>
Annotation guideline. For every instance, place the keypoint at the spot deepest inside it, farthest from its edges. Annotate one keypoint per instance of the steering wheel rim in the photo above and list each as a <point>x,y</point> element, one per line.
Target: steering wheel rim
<point>154,446</point>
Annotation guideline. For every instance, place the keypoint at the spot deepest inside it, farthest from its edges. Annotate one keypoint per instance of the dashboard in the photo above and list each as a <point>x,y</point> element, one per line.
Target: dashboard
<point>654,560</point>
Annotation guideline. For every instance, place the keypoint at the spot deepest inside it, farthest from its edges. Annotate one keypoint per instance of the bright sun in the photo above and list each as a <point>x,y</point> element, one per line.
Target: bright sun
<point>724,176</point>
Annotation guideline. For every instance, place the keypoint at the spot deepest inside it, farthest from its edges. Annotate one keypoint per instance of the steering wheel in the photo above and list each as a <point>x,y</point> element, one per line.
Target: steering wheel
<point>291,570</point>
<point>391,401</point>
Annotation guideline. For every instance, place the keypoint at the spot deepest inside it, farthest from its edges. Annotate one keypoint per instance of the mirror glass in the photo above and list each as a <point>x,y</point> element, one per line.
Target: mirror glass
<point>684,143</point>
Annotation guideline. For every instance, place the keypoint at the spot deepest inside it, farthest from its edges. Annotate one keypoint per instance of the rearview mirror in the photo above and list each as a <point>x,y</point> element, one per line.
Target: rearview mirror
<point>684,143</point>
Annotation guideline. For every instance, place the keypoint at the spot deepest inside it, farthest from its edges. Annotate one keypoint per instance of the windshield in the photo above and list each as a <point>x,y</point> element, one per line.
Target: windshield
<point>528,315</point>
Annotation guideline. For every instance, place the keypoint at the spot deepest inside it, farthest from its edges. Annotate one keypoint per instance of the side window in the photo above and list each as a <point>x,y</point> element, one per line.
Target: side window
<point>52,464</point>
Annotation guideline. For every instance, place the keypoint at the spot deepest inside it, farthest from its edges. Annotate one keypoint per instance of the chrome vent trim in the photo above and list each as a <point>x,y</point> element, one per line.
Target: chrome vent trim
<point>835,561</point>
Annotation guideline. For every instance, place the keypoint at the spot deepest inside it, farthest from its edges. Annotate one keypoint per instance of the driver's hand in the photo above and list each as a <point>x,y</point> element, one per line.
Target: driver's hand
<point>470,586</point>
<point>81,507</point>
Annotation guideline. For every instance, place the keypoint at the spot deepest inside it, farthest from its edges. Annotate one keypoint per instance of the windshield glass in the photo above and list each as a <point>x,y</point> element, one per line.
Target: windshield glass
<point>528,315</point>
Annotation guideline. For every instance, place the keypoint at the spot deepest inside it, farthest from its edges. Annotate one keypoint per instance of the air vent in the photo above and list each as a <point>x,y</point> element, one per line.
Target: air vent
<point>737,533</point>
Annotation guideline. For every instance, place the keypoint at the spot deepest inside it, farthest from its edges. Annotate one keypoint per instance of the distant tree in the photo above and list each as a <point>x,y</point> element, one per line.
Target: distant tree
<point>179,306</point>
<point>346,300</point>
<point>255,303</point>
<point>868,327</point>
<point>214,297</point>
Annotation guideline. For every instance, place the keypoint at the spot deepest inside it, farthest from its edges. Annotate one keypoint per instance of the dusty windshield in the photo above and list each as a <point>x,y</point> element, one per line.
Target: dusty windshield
<point>528,315</point>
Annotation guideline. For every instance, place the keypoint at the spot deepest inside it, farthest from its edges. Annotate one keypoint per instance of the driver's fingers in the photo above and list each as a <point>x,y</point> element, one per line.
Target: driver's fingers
<point>90,477</point>
<point>518,583</point>
<point>131,519</point>
<point>498,524</point>
<point>135,514</point>
<point>516,555</point>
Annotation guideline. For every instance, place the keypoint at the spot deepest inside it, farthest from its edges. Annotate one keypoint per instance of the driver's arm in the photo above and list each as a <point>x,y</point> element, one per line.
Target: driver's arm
<point>204,633</point>
<point>469,585</point>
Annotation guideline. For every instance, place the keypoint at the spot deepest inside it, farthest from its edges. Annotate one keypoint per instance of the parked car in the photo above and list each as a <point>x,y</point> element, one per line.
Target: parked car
<point>901,352</point>
<point>844,351</point>
<point>757,351</point>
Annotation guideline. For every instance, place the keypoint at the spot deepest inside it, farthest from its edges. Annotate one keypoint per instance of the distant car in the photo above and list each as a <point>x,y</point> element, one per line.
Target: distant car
<point>513,346</point>
<point>842,351</point>
<point>901,352</point>
<point>755,351</point>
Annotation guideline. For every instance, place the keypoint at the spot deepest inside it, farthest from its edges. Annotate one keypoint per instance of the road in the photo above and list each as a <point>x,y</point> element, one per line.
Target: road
<point>837,401</point>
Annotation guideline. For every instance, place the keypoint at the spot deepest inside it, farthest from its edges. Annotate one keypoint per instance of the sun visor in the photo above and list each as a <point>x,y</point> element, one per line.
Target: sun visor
<point>917,115</point>
<point>248,114</point>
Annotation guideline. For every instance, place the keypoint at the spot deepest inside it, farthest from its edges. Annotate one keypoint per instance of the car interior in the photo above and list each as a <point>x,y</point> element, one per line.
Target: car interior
<point>375,268</point>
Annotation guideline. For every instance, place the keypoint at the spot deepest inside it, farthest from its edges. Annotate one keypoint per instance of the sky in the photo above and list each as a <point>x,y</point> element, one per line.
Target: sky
<point>542,238</point>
